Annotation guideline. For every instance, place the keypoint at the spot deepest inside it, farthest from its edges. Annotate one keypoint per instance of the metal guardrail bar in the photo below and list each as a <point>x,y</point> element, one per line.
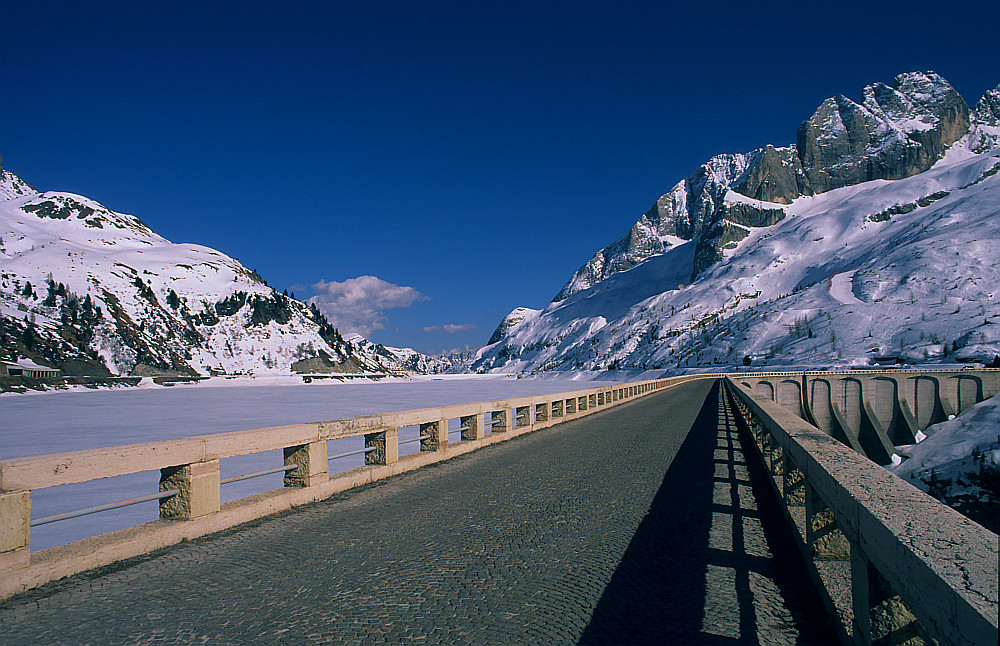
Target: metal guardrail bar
<point>45,520</point>
<point>416,439</point>
<point>367,449</point>
<point>257,474</point>
<point>461,429</point>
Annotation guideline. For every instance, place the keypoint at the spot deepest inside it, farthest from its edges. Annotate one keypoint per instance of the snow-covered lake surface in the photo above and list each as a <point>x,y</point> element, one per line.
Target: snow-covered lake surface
<point>52,422</point>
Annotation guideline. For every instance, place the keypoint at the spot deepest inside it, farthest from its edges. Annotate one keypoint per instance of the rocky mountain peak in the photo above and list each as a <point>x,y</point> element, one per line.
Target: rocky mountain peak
<point>774,175</point>
<point>94,292</point>
<point>511,321</point>
<point>893,132</point>
<point>985,118</point>
<point>12,186</point>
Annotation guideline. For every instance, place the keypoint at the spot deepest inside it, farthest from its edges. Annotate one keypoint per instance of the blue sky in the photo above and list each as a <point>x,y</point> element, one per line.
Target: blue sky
<point>422,168</point>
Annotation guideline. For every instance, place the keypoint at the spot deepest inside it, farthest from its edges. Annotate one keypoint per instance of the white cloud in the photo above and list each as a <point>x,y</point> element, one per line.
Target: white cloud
<point>356,305</point>
<point>451,328</point>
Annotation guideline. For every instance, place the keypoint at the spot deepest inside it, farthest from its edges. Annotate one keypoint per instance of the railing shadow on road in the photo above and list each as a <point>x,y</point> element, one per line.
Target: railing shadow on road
<point>705,558</point>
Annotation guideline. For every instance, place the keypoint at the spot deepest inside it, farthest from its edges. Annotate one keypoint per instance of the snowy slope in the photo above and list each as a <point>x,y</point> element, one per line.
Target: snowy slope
<point>93,291</point>
<point>909,267</point>
<point>958,462</point>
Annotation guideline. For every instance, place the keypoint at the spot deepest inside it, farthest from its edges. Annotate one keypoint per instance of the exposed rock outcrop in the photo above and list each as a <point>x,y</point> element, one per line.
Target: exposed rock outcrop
<point>894,132</point>
<point>733,224</point>
<point>509,322</point>
<point>774,175</point>
<point>688,210</point>
<point>985,118</point>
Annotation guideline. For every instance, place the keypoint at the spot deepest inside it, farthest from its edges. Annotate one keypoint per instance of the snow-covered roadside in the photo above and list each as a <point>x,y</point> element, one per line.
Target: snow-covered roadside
<point>959,462</point>
<point>57,421</point>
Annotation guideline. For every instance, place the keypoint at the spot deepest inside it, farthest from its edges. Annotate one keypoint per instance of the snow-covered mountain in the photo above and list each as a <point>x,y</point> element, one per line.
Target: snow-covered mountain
<point>877,234</point>
<point>95,292</point>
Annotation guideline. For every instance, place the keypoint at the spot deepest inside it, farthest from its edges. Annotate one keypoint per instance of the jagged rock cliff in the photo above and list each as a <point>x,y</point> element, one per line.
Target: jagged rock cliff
<point>985,117</point>
<point>894,132</point>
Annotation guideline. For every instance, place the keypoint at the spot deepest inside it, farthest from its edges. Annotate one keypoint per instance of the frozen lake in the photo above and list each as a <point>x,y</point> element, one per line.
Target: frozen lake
<point>51,422</point>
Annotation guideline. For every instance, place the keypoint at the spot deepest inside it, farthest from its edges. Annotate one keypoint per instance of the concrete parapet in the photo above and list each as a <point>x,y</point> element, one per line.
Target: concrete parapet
<point>918,570</point>
<point>191,467</point>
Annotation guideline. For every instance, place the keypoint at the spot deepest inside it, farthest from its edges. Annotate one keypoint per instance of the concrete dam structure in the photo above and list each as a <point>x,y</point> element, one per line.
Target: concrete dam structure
<point>873,411</point>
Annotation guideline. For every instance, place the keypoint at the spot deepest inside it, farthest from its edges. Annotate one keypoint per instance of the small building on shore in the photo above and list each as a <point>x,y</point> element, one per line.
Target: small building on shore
<point>27,368</point>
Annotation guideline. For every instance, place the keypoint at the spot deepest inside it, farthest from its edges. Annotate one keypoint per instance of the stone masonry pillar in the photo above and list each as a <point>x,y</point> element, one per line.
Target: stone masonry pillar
<point>880,616</point>
<point>15,529</point>
<point>823,535</point>
<point>473,427</point>
<point>386,444</point>
<point>199,487</point>
<point>438,432</point>
<point>311,462</point>
<point>542,412</point>
<point>794,487</point>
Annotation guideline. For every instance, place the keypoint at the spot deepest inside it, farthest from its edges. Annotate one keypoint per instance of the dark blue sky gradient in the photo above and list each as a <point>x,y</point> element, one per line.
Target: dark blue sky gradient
<point>476,152</point>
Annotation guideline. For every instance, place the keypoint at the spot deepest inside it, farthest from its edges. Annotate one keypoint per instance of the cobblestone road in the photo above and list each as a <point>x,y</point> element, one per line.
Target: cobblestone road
<point>636,525</point>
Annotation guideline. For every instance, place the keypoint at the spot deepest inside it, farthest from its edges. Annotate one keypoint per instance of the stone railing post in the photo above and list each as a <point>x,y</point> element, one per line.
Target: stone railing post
<point>823,534</point>
<point>830,554</point>
<point>386,444</point>
<point>472,426</point>
<point>438,432</point>
<point>592,401</point>
<point>15,529</point>
<point>199,487</point>
<point>311,464</point>
<point>542,412</point>
<point>498,421</point>
<point>776,463</point>
<point>522,416</point>
<point>880,616</point>
<point>794,487</point>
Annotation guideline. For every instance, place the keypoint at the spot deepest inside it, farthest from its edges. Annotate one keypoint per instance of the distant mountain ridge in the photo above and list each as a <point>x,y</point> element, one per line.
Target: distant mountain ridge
<point>95,292</point>
<point>895,132</point>
<point>908,164</point>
